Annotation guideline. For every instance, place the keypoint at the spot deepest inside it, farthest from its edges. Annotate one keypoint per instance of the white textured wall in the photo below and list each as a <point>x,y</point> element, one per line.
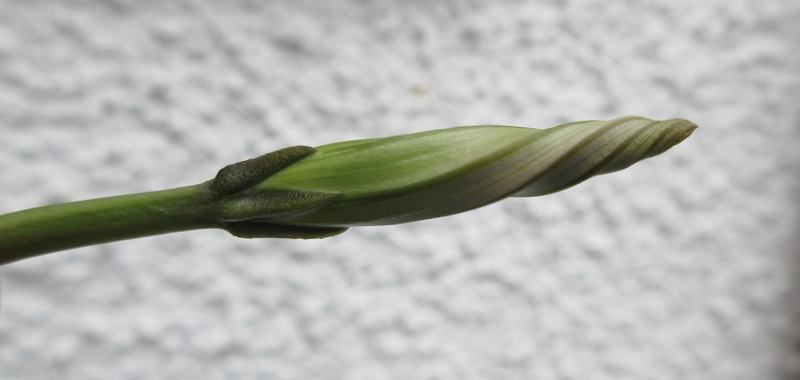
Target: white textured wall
<point>686,266</point>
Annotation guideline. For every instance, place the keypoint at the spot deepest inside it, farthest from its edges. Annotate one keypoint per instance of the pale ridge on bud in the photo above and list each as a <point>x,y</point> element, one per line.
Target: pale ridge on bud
<point>430,174</point>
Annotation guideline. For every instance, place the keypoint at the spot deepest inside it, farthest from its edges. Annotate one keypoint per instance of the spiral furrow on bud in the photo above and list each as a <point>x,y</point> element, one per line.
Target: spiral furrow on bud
<point>599,148</point>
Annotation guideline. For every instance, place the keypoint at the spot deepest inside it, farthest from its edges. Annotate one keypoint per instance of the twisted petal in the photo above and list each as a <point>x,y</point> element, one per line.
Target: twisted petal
<point>431,174</point>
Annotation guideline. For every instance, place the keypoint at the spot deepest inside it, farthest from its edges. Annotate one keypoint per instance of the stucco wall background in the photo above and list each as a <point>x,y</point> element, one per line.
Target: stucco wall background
<point>683,266</point>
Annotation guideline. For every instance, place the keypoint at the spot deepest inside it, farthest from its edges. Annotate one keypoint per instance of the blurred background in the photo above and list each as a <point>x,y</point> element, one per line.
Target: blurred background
<point>683,266</point>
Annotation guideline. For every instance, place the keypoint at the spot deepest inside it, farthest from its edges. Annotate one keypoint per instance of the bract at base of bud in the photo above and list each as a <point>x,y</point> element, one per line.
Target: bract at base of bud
<point>243,175</point>
<point>254,230</point>
<point>265,205</point>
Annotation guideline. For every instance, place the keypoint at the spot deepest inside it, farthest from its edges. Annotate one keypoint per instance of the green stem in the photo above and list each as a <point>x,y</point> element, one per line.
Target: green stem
<point>37,231</point>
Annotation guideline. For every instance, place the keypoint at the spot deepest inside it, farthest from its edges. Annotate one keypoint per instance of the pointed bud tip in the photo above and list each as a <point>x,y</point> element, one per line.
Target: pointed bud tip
<point>681,129</point>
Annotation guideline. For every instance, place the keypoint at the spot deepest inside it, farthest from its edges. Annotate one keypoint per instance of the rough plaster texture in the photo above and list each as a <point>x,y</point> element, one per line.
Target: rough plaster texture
<point>683,266</point>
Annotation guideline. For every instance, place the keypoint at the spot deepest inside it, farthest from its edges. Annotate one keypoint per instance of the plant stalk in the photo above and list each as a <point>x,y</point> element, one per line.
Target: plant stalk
<point>37,231</point>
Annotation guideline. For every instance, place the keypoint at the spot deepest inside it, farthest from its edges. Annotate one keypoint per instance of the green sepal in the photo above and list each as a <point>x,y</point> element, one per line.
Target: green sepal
<point>237,201</point>
<point>254,230</point>
<point>263,205</point>
<point>242,175</point>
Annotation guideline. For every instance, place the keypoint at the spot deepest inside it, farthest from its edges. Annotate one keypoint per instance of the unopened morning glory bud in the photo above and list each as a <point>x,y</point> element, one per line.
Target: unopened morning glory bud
<point>304,192</point>
<point>431,174</point>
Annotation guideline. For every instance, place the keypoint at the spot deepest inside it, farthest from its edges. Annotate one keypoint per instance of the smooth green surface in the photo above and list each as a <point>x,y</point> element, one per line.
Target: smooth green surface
<point>45,229</point>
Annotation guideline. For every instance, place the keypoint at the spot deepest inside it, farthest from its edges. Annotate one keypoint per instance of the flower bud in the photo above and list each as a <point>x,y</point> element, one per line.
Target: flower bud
<point>430,174</point>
